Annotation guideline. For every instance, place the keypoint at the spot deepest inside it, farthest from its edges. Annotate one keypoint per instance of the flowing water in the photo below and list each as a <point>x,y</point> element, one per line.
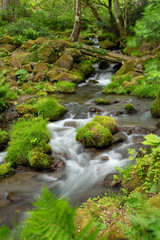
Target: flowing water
<point>84,171</point>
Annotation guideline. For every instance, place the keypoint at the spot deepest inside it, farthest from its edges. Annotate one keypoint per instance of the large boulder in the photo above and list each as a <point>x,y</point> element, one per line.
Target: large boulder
<point>28,44</point>
<point>107,122</point>
<point>54,72</point>
<point>76,54</point>
<point>67,77</point>
<point>86,68</point>
<point>25,109</point>
<point>108,44</point>
<point>40,160</point>
<point>6,39</point>
<point>126,67</point>
<point>46,53</point>
<point>155,108</point>
<point>65,61</point>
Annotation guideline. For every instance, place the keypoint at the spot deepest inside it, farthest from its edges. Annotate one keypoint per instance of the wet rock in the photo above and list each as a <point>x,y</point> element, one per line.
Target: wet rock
<point>130,109</point>
<point>118,113</point>
<point>13,196</point>
<point>58,163</point>
<point>96,109</point>
<point>110,182</point>
<point>137,130</point>
<point>105,158</point>
<point>101,101</point>
<point>70,124</point>
<point>103,65</point>
<point>91,82</point>
<point>117,66</point>
<point>11,115</point>
<point>119,137</point>
<point>158,132</point>
<point>65,61</point>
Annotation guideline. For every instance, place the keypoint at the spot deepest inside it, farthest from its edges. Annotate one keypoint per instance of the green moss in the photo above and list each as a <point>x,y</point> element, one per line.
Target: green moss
<point>40,160</point>
<point>28,58</point>
<point>108,44</point>
<point>79,74</point>
<point>46,53</point>
<point>94,134</point>
<point>107,122</point>
<point>50,108</point>
<point>26,109</point>
<point>129,108</point>
<point>65,87</point>
<point>101,101</point>
<point>86,68</point>
<point>5,168</point>
<point>126,67</point>
<point>65,61</point>
<point>46,148</point>
<point>25,136</point>
<point>155,108</point>
<point>3,137</point>
<point>67,77</point>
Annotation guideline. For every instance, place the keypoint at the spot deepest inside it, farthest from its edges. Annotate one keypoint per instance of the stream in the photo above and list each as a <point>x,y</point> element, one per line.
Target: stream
<point>84,171</point>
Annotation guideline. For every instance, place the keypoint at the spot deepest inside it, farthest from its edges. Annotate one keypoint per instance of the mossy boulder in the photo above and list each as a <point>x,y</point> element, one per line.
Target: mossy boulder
<point>155,201</point>
<point>79,74</point>
<point>74,53</point>
<point>129,108</point>
<point>6,39</point>
<point>126,67</point>
<point>134,81</point>
<point>86,68</point>
<point>65,61</point>
<point>82,219</point>
<point>27,67</point>
<point>40,160</point>
<point>62,44</point>
<point>67,77</point>
<point>46,148</point>
<point>25,109</point>
<point>5,168</point>
<point>46,53</point>
<point>65,87</point>
<point>28,44</point>
<point>102,101</point>
<point>94,134</point>
<point>40,40</point>
<point>4,138</point>
<point>155,108</point>
<point>8,47</point>
<point>107,122</point>
<point>108,44</point>
<point>49,107</point>
<point>40,67</point>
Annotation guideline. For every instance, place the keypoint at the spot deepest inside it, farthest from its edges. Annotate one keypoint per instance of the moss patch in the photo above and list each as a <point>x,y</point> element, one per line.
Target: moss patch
<point>155,108</point>
<point>5,168</point>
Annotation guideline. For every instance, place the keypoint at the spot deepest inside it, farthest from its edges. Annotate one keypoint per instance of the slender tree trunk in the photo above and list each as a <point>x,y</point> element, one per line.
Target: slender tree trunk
<point>94,10</point>
<point>119,20</point>
<point>77,24</point>
<point>10,7</point>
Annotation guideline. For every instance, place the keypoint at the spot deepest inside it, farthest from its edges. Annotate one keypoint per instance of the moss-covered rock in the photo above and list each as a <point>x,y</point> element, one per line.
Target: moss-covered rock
<point>67,77</point>
<point>62,44</point>
<point>155,108</point>
<point>65,87</point>
<point>29,57</point>
<point>40,40</point>
<point>28,44</point>
<point>46,148</point>
<point>94,134</point>
<point>40,67</point>
<point>5,168</point>
<point>79,74</point>
<point>6,39</point>
<point>54,72</point>
<point>82,219</point>
<point>4,138</point>
<point>46,53</point>
<point>27,67</point>
<point>50,108</point>
<point>25,109</point>
<point>129,108</point>
<point>126,67</point>
<point>8,47</point>
<point>108,44</point>
<point>155,201</point>
<point>65,61</point>
<point>102,101</point>
<point>107,122</point>
<point>74,53</point>
<point>40,160</point>
<point>86,68</point>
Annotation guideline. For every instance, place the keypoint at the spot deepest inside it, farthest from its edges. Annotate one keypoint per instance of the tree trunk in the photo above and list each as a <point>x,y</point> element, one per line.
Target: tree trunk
<point>94,10</point>
<point>10,7</point>
<point>119,20</point>
<point>77,24</point>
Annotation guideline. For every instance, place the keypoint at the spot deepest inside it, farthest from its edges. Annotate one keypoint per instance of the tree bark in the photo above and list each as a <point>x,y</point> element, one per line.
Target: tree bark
<point>77,24</point>
<point>94,10</point>
<point>119,20</point>
<point>10,6</point>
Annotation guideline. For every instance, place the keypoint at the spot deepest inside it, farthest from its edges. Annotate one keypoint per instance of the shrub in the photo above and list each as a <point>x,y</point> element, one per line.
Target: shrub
<point>26,135</point>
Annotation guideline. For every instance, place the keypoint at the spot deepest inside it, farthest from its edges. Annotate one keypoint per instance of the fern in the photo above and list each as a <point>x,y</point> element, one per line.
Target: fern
<point>52,219</point>
<point>151,139</point>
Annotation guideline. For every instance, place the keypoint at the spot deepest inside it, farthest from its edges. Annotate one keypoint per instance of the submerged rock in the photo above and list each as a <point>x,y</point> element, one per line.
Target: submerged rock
<point>130,109</point>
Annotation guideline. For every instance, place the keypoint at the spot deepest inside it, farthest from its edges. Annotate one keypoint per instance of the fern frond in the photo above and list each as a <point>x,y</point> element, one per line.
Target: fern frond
<point>151,139</point>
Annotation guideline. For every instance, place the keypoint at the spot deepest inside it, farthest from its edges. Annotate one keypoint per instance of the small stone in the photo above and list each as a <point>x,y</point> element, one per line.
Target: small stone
<point>105,158</point>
